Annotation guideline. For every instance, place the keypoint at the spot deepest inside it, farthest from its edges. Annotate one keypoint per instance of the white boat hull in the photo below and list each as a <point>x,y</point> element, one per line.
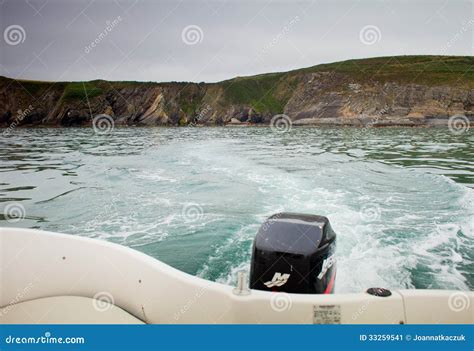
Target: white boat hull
<point>36,264</point>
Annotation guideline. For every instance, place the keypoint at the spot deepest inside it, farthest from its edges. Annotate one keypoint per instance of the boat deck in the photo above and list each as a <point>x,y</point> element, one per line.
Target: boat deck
<point>65,310</point>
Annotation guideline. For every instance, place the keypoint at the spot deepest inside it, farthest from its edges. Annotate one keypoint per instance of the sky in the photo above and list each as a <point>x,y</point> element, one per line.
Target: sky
<point>204,40</point>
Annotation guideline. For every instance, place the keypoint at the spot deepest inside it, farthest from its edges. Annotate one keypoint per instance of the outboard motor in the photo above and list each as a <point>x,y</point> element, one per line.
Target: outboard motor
<point>294,253</point>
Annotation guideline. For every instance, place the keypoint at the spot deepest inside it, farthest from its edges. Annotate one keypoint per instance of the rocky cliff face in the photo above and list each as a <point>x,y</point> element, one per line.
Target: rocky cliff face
<point>385,91</point>
<point>328,98</point>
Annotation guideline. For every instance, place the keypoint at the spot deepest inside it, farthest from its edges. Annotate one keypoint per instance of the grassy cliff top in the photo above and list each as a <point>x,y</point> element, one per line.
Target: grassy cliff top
<point>430,70</point>
<point>416,69</point>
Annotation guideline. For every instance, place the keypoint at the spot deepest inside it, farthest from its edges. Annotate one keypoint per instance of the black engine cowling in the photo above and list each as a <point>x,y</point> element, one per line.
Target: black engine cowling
<point>294,253</point>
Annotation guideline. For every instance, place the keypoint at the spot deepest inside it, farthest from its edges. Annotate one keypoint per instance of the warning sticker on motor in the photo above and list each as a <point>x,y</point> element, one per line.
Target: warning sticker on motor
<point>327,314</point>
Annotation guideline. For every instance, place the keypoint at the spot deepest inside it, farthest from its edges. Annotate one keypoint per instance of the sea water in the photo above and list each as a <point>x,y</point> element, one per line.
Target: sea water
<point>400,199</point>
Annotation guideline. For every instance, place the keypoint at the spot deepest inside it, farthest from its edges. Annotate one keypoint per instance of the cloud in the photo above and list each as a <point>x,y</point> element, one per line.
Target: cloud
<point>238,37</point>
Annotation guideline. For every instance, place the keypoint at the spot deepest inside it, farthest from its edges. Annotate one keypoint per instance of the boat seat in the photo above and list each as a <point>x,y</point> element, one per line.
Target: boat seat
<point>65,310</point>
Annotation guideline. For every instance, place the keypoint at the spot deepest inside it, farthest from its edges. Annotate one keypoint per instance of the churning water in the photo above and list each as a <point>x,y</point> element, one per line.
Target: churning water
<point>400,200</point>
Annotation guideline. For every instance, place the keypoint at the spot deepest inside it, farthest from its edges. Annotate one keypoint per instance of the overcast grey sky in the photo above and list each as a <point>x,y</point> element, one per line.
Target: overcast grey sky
<point>216,40</point>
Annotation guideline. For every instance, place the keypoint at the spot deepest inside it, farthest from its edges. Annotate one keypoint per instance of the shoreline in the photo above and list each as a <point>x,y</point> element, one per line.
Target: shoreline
<point>298,126</point>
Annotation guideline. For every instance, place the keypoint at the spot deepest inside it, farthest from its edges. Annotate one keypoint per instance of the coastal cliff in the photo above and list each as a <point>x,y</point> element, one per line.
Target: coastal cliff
<point>402,90</point>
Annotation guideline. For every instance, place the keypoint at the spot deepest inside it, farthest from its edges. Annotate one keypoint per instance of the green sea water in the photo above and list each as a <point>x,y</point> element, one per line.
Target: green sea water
<point>401,200</point>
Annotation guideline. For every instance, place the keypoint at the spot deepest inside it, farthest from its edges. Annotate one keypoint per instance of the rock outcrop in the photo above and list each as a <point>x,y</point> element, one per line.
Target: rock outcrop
<point>408,90</point>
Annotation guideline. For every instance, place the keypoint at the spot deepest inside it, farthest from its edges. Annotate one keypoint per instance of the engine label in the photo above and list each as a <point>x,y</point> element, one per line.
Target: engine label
<point>277,280</point>
<point>327,263</point>
<point>327,314</point>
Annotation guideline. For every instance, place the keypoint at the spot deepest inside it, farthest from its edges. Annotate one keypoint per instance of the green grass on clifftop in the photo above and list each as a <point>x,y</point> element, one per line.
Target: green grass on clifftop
<point>81,91</point>
<point>429,70</point>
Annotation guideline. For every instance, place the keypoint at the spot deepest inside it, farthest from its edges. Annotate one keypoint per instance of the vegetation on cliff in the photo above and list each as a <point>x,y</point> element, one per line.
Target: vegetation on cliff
<point>386,87</point>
